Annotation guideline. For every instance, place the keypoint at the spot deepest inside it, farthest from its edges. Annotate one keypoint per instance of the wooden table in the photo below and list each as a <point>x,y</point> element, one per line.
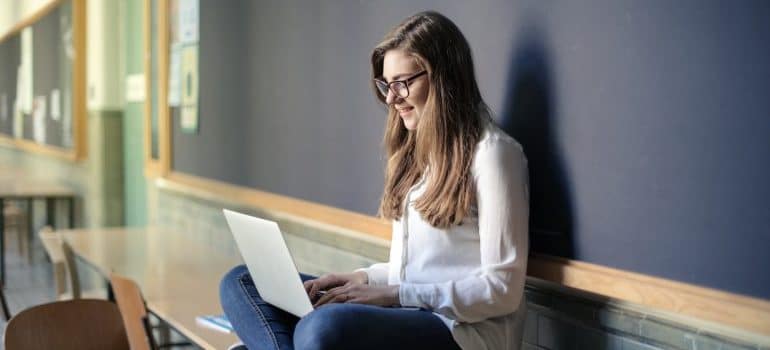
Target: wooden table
<point>16,189</point>
<point>178,275</point>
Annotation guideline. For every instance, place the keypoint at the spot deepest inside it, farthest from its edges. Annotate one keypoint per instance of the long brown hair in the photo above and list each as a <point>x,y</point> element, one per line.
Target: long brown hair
<point>444,141</point>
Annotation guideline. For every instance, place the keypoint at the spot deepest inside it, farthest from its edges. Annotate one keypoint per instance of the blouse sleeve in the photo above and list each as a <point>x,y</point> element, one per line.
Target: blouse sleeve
<point>503,206</point>
<point>377,274</point>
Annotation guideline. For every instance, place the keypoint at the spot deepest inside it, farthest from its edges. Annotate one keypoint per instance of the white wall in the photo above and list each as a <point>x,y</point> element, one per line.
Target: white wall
<point>105,62</point>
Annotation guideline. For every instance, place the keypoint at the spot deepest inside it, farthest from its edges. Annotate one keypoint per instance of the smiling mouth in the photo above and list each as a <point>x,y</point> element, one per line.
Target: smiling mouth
<point>404,110</point>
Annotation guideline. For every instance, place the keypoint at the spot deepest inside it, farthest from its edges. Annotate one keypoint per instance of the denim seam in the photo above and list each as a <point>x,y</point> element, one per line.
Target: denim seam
<point>258,311</point>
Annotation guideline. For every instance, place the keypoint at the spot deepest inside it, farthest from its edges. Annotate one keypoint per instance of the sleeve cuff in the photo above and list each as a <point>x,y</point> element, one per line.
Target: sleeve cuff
<point>409,295</point>
<point>375,276</point>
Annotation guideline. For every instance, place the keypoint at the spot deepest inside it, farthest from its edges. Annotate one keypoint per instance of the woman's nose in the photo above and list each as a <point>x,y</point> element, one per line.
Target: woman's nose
<point>391,98</point>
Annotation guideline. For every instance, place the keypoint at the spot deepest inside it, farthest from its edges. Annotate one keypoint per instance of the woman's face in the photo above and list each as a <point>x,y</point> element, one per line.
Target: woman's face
<point>398,65</point>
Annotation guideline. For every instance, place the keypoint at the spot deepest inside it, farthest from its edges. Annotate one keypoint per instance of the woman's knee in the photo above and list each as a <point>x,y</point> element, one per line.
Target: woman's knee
<point>326,327</point>
<point>230,285</point>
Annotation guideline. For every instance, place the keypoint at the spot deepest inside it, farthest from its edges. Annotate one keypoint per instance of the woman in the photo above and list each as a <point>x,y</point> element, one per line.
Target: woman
<point>456,190</point>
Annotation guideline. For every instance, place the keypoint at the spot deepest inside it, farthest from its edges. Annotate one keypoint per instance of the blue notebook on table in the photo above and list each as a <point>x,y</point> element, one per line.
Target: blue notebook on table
<point>215,322</point>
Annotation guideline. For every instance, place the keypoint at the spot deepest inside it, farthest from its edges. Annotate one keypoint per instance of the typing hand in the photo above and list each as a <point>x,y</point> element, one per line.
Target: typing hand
<point>332,280</point>
<point>360,294</point>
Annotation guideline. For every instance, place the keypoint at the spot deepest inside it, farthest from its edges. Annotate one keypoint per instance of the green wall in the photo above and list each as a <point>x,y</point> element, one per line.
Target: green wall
<point>133,138</point>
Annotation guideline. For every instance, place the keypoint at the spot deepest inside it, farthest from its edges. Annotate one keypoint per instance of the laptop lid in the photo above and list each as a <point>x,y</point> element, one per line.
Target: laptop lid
<point>269,262</point>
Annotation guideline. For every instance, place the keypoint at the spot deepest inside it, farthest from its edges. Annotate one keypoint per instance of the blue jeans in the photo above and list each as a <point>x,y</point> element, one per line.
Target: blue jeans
<point>333,326</point>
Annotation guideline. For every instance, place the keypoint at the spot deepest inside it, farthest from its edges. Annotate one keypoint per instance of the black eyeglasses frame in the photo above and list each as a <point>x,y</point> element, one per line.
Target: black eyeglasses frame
<point>381,83</point>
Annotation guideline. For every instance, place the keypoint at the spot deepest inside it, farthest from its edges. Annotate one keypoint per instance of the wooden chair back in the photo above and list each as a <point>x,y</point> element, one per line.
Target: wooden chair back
<point>82,324</point>
<point>74,277</point>
<point>134,312</point>
<point>53,247</point>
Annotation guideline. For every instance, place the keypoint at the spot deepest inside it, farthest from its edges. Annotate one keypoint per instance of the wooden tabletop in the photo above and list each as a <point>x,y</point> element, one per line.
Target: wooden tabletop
<point>178,275</point>
<point>16,188</point>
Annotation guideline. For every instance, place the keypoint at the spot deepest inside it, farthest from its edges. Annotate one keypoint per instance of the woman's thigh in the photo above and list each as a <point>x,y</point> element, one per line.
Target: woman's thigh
<point>358,326</point>
<point>258,323</point>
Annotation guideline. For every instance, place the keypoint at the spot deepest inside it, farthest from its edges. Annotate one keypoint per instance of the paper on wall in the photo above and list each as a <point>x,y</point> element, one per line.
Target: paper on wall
<point>38,119</point>
<point>4,107</point>
<point>135,88</point>
<point>189,81</point>
<point>55,104</point>
<point>174,71</point>
<point>25,71</point>
<point>66,123</point>
<point>18,119</point>
<point>188,21</point>
<point>21,91</point>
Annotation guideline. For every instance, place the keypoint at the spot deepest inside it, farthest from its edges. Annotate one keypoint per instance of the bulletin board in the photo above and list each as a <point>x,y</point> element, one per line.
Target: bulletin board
<point>42,96</point>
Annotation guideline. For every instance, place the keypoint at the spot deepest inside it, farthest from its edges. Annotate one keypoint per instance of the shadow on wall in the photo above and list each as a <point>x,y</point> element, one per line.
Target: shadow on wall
<point>528,116</point>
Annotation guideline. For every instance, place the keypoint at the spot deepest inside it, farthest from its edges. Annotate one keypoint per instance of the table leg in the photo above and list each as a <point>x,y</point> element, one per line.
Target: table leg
<point>50,212</point>
<point>3,304</point>
<point>71,207</point>
<point>110,291</point>
<point>30,218</point>
<point>2,243</point>
<point>30,227</point>
<point>164,333</point>
<point>6,313</point>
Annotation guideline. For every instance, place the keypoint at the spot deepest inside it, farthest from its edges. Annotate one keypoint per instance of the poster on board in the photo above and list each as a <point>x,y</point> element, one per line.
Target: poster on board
<point>189,82</point>
<point>38,119</point>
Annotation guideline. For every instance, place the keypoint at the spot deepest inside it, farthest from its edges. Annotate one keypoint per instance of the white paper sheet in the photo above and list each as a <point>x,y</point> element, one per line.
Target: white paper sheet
<point>25,71</point>
<point>55,104</point>
<point>38,115</point>
<point>189,80</point>
<point>4,107</point>
<point>188,21</point>
<point>174,71</point>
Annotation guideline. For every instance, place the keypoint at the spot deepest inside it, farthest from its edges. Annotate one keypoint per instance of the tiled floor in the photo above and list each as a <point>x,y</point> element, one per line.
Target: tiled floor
<point>28,282</point>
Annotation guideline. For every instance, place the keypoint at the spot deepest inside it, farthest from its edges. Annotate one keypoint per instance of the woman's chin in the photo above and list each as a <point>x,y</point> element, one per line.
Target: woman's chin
<point>410,122</point>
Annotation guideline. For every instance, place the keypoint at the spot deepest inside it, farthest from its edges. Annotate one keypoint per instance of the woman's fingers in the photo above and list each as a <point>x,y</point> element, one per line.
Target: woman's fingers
<point>351,293</point>
<point>330,296</point>
<point>342,290</point>
<point>312,287</point>
<point>323,300</point>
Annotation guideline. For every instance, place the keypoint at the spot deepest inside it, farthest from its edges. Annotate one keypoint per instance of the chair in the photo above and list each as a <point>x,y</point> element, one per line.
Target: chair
<point>136,320</point>
<point>4,304</point>
<point>16,221</point>
<point>133,311</point>
<point>64,267</point>
<point>82,324</point>
<point>53,247</point>
<point>69,259</point>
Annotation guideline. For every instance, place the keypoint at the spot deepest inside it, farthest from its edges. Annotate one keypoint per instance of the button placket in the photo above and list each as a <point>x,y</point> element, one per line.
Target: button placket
<point>405,237</point>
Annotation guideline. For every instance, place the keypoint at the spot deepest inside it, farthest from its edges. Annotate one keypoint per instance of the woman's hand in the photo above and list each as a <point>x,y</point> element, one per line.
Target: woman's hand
<point>332,280</point>
<point>361,294</point>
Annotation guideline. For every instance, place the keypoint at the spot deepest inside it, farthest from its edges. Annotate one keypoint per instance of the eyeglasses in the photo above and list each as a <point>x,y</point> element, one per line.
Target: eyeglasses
<point>399,87</point>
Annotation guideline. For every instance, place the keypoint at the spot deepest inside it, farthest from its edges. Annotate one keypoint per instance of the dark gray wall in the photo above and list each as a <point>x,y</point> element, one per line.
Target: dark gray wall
<point>646,123</point>
<point>48,52</point>
<point>51,69</point>
<point>10,57</point>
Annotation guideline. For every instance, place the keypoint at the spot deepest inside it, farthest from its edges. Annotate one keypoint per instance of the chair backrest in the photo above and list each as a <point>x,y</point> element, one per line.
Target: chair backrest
<point>13,215</point>
<point>74,279</point>
<point>53,247</point>
<point>134,312</point>
<point>82,324</point>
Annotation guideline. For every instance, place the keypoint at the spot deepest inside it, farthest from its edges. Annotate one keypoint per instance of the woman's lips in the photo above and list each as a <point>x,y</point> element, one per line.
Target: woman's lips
<point>404,110</point>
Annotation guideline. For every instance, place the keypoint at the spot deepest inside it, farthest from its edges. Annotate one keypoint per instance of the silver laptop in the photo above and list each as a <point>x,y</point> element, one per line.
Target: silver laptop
<point>269,262</point>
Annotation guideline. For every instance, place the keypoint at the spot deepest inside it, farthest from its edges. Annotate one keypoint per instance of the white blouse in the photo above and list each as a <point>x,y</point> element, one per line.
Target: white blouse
<point>470,275</point>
